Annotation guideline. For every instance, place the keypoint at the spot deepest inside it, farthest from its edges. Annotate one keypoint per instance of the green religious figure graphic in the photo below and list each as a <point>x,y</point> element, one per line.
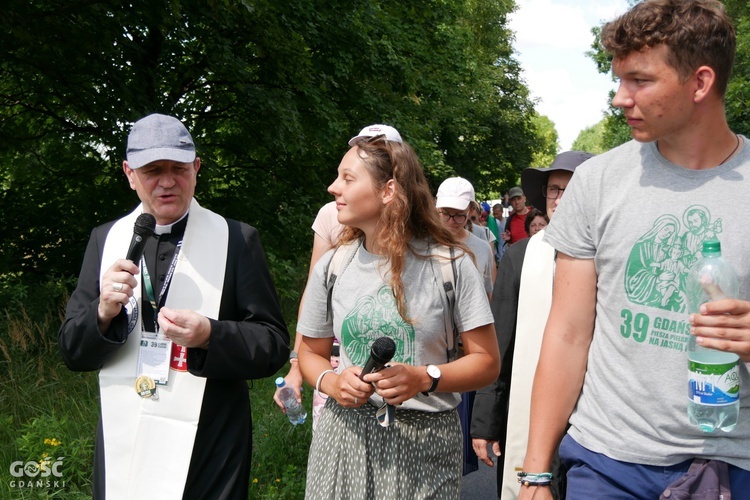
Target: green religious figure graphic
<point>659,261</point>
<point>372,318</point>
<point>699,229</point>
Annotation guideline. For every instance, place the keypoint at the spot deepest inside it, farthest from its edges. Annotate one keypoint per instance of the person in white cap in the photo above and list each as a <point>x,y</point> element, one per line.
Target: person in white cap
<point>326,229</point>
<point>393,433</point>
<point>370,131</point>
<point>175,335</point>
<point>453,201</point>
<point>454,196</point>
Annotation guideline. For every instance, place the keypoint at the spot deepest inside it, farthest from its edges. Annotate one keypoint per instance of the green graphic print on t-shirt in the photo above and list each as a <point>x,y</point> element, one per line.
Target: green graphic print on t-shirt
<point>656,272</point>
<point>373,317</point>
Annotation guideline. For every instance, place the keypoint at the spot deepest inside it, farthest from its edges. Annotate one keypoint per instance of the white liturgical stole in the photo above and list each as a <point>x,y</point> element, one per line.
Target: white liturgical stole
<point>534,302</point>
<point>148,442</point>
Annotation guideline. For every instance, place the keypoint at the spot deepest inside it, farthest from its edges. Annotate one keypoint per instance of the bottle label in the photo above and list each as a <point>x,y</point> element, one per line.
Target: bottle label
<point>714,384</point>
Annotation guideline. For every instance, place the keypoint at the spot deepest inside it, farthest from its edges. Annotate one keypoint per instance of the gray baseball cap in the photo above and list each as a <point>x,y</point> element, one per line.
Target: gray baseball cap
<point>159,137</point>
<point>515,191</point>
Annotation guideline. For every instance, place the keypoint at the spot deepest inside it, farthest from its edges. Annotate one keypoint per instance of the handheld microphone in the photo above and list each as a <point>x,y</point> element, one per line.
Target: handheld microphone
<point>143,229</point>
<point>382,352</point>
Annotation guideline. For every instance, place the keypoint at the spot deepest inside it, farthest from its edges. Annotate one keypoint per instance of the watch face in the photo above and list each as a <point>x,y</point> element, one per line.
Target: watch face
<point>433,371</point>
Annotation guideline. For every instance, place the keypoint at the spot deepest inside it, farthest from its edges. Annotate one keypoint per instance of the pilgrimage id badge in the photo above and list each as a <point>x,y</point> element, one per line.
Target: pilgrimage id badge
<point>153,357</point>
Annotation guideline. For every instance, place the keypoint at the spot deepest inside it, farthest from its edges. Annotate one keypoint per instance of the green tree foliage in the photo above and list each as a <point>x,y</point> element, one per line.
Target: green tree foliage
<point>591,139</point>
<point>548,144</point>
<point>615,130</point>
<point>738,90</point>
<point>271,90</point>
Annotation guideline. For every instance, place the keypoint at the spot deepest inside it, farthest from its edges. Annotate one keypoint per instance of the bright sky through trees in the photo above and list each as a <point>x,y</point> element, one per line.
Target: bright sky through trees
<point>552,37</point>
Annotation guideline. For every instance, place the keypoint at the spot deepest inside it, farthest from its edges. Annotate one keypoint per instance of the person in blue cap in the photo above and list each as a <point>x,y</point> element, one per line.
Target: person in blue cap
<point>174,336</point>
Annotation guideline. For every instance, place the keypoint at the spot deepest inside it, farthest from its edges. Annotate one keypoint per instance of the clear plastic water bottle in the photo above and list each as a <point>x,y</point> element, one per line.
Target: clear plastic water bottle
<point>714,378</point>
<point>294,410</point>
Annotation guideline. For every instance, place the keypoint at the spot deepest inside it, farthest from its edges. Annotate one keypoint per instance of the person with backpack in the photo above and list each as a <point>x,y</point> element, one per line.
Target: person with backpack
<point>454,200</point>
<point>393,433</point>
<point>327,230</point>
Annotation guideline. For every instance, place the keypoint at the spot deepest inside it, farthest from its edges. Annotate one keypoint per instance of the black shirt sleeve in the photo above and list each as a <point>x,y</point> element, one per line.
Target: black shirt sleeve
<point>250,339</point>
<point>82,345</point>
<point>491,402</point>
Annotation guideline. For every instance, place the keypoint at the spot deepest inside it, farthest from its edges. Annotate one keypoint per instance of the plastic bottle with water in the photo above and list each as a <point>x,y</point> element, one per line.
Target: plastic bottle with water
<point>294,410</point>
<point>714,378</point>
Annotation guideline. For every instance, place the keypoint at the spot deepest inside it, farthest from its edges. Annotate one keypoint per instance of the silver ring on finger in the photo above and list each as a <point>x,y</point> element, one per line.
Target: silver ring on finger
<point>117,287</point>
<point>356,400</point>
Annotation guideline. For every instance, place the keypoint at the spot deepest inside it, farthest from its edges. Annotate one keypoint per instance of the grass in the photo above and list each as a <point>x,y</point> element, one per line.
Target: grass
<point>50,412</point>
<point>279,448</point>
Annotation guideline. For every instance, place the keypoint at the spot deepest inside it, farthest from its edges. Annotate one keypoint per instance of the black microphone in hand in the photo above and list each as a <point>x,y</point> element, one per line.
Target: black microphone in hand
<point>382,352</point>
<point>143,229</point>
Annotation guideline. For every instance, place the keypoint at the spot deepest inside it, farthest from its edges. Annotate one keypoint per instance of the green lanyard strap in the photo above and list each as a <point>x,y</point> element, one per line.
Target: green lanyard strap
<point>150,289</point>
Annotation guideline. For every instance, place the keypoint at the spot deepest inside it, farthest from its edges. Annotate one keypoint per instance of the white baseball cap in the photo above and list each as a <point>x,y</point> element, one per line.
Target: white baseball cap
<point>455,192</point>
<point>389,132</point>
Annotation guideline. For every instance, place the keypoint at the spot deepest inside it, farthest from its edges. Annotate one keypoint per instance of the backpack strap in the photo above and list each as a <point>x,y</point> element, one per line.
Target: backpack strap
<point>446,260</point>
<point>340,260</point>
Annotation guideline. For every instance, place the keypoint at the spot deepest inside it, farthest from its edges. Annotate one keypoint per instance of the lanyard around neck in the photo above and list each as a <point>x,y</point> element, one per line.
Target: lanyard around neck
<point>155,305</point>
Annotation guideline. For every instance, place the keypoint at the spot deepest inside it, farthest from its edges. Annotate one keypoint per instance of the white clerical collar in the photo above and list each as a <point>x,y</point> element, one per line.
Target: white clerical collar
<point>167,228</point>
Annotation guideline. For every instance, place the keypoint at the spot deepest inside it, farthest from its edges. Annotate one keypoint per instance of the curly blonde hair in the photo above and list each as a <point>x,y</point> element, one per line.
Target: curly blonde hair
<point>411,214</point>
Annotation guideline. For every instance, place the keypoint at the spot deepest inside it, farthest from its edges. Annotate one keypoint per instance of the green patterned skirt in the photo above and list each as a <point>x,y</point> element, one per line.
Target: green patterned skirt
<point>352,457</point>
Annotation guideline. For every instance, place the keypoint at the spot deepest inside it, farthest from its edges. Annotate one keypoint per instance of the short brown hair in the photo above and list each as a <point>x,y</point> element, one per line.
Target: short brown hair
<point>697,33</point>
<point>533,214</point>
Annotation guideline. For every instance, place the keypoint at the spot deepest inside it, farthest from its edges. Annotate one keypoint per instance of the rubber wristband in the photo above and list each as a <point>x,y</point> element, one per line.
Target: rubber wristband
<point>535,479</point>
<point>526,482</point>
<point>320,377</point>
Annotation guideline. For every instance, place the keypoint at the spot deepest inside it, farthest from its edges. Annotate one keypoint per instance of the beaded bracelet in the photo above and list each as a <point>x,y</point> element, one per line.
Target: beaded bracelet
<point>535,479</point>
<point>320,377</point>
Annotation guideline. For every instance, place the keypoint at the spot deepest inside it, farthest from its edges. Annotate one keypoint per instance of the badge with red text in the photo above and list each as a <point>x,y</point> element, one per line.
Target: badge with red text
<point>178,360</point>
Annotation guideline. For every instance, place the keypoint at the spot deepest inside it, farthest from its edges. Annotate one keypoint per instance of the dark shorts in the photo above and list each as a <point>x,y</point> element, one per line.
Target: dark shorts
<point>591,473</point>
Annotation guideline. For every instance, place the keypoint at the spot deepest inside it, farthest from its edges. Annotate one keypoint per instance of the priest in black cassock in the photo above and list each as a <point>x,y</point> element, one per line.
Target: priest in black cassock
<point>174,335</point>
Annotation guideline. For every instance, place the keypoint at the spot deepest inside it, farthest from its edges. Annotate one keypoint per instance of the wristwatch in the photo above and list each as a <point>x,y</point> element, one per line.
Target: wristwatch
<point>434,373</point>
<point>292,355</point>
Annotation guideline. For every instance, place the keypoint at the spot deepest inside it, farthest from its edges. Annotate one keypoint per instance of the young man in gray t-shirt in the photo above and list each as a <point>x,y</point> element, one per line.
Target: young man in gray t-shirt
<point>613,361</point>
